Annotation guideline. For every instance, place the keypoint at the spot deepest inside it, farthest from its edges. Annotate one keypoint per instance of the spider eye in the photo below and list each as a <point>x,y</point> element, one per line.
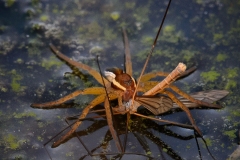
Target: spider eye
<point>128,83</point>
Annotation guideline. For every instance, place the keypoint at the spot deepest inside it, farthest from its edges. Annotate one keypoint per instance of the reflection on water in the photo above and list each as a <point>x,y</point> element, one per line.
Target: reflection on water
<point>202,33</point>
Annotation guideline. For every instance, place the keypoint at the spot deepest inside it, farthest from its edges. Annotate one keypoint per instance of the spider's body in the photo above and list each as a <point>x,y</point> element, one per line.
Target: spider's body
<point>122,81</point>
<point>121,86</point>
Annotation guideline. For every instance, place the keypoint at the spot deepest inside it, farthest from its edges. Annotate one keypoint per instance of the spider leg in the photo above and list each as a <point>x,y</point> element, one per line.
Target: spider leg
<point>145,86</point>
<point>165,121</point>
<point>93,90</point>
<point>184,108</point>
<point>91,71</point>
<point>146,77</point>
<point>110,125</point>
<point>99,99</point>
<point>128,62</point>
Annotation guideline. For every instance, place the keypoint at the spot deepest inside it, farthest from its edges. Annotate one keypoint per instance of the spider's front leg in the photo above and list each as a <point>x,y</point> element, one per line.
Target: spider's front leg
<point>48,105</point>
<point>85,67</point>
<point>184,108</point>
<point>99,99</point>
<point>110,125</point>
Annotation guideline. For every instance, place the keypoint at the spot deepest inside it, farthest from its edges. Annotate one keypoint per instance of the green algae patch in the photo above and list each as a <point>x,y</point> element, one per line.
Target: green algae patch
<point>15,85</point>
<point>165,150</point>
<point>188,55</point>
<point>231,134</point>
<point>208,142</point>
<point>24,114</point>
<point>44,18</point>
<point>9,3</point>
<point>148,153</point>
<point>217,37</point>
<point>147,40</point>
<point>130,5</point>
<point>109,34</point>
<point>94,30</point>
<point>235,112</point>
<point>210,76</point>
<point>11,141</point>
<point>232,72</point>
<point>199,1</point>
<point>221,57</point>
<point>69,154</point>
<point>231,84</point>
<point>170,34</point>
<point>51,62</point>
<point>169,29</point>
<point>115,15</point>
<point>141,14</point>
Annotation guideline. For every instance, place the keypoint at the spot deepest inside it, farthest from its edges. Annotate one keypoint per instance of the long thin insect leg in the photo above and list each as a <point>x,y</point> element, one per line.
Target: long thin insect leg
<point>128,62</point>
<point>165,121</point>
<point>85,111</point>
<point>91,71</point>
<point>184,108</point>
<point>109,115</point>
<point>153,46</point>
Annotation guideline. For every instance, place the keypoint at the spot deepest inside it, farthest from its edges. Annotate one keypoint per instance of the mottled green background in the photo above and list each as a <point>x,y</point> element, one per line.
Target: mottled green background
<point>204,33</point>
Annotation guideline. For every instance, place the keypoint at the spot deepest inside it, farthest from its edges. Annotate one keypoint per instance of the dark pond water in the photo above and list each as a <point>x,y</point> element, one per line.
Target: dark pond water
<point>204,33</point>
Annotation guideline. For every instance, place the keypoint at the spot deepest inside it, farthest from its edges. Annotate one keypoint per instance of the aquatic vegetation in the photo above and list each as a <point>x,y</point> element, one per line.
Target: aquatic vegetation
<point>93,30</point>
<point>115,15</point>
<point>11,141</point>
<point>19,61</point>
<point>24,114</point>
<point>208,141</point>
<point>40,138</point>
<point>16,86</point>
<point>221,57</point>
<point>109,34</point>
<point>9,3</point>
<point>69,154</point>
<point>235,112</point>
<point>141,14</point>
<point>231,134</point>
<point>33,51</point>
<point>211,28</point>
<point>2,28</point>
<point>147,40</point>
<point>6,45</point>
<point>232,72</point>
<point>44,18</point>
<point>231,84</point>
<point>130,5</point>
<point>210,76</point>
<point>188,54</point>
<point>170,34</point>
<point>52,61</point>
